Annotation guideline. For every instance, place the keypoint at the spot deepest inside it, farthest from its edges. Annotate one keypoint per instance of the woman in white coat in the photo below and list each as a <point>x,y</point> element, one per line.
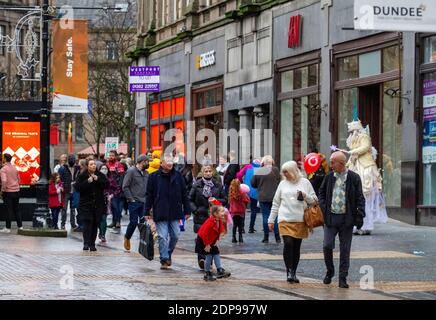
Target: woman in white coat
<point>293,195</point>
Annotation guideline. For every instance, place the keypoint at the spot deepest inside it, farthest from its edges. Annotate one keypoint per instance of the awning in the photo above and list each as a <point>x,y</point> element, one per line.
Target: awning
<point>122,148</point>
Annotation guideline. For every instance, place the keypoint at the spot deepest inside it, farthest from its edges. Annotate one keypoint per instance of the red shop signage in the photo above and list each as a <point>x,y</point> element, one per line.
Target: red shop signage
<point>294,33</point>
<point>54,134</point>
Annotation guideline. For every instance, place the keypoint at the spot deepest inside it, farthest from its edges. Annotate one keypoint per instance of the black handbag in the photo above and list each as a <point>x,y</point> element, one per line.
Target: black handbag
<point>146,241</point>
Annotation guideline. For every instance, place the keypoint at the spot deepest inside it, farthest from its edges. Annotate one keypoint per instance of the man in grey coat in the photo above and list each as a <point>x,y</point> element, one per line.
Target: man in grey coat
<point>135,189</point>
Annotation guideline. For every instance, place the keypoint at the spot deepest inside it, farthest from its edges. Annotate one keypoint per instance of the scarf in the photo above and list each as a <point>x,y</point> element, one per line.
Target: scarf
<point>207,188</point>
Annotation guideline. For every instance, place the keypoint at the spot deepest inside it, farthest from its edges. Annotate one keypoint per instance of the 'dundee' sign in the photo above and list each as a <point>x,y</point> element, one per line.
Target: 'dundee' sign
<point>144,79</point>
<point>398,15</point>
<point>111,143</point>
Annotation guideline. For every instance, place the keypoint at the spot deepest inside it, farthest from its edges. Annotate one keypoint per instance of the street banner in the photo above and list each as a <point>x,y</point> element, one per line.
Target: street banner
<point>144,79</point>
<point>398,15</point>
<point>22,141</point>
<point>70,68</point>
<point>111,143</point>
<point>429,134</point>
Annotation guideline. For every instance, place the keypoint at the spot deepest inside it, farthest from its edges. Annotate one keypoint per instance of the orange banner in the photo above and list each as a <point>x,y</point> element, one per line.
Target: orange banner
<point>22,141</point>
<point>70,67</point>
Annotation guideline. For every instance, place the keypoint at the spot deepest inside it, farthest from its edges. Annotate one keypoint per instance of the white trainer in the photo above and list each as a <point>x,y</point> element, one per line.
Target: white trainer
<point>5,230</point>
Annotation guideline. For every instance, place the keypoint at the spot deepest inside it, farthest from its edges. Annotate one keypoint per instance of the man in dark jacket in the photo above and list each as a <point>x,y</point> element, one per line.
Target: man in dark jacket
<point>167,197</point>
<point>231,171</point>
<point>135,188</point>
<point>68,174</point>
<point>343,205</point>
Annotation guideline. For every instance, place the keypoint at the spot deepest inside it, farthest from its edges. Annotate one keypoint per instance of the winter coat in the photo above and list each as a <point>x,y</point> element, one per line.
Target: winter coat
<point>239,207</point>
<point>245,176</point>
<point>211,231</point>
<point>67,178</point>
<point>355,200</point>
<point>53,196</point>
<point>231,174</point>
<point>92,202</point>
<point>200,204</point>
<point>167,196</point>
<point>266,180</point>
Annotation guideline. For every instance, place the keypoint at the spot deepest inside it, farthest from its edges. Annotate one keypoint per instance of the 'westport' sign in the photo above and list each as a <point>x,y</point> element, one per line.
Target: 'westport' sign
<point>398,15</point>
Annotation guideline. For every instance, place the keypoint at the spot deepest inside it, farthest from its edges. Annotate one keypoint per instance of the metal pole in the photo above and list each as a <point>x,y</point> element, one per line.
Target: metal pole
<point>42,213</point>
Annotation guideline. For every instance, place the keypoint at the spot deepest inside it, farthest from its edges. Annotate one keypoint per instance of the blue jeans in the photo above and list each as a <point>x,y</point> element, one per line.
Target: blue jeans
<point>253,208</point>
<point>117,208</point>
<point>136,210</point>
<point>266,210</point>
<point>55,216</point>
<point>164,230</point>
<point>208,262</point>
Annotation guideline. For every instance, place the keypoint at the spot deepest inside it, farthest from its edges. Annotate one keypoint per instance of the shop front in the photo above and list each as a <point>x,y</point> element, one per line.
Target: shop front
<point>207,90</point>
<point>299,108</point>
<point>427,73</point>
<point>367,83</point>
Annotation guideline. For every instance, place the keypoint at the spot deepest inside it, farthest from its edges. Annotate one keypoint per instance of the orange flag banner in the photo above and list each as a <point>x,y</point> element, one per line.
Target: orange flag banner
<point>70,67</point>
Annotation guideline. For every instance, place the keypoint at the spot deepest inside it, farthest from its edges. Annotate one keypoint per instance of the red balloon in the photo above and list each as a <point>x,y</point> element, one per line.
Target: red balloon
<point>312,162</point>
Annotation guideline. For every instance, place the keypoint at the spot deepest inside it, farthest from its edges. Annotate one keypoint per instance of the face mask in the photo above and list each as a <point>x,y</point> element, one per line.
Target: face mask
<point>104,171</point>
<point>71,163</point>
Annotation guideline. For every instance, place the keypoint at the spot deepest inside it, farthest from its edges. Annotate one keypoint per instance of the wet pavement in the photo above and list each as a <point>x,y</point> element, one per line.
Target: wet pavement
<point>400,257</point>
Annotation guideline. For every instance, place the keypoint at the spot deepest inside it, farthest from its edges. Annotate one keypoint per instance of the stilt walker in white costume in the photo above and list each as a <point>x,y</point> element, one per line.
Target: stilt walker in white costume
<point>362,161</point>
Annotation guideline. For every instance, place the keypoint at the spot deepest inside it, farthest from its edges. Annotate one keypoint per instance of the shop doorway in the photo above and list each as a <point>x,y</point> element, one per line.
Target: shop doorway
<point>370,113</point>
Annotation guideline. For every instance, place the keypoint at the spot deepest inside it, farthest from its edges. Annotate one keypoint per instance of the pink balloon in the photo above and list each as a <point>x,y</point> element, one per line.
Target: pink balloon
<point>245,188</point>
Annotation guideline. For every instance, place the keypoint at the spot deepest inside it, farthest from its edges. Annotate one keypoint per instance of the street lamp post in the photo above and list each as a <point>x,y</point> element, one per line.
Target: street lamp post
<point>42,212</point>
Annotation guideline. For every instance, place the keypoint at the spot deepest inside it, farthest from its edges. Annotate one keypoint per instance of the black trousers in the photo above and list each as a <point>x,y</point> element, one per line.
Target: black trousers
<point>90,228</point>
<point>291,252</point>
<point>238,224</point>
<point>345,236</point>
<point>11,200</point>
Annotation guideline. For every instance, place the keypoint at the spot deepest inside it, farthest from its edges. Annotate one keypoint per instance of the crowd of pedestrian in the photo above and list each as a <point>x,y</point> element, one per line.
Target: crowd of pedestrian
<point>163,190</point>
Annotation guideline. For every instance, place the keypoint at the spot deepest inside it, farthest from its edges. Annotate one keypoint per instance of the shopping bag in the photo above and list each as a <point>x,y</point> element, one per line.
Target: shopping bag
<point>146,242</point>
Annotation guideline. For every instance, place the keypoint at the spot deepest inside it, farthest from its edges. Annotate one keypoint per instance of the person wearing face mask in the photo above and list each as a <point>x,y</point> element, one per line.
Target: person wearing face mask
<point>68,174</point>
<point>204,189</point>
<point>135,188</point>
<point>91,185</point>
<point>109,192</point>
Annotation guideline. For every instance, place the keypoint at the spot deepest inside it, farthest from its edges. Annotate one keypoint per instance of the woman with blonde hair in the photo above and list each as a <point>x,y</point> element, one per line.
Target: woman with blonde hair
<point>293,195</point>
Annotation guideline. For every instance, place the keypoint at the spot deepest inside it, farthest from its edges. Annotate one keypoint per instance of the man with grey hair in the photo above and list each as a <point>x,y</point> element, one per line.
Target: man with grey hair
<point>168,199</point>
<point>343,205</point>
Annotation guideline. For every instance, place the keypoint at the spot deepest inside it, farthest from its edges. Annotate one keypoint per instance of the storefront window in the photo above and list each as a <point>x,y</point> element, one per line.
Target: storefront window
<point>369,64</point>
<point>429,138</point>
<point>391,59</point>
<point>286,132</point>
<point>287,83</point>
<point>209,98</point>
<point>303,137</point>
<point>348,68</point>
<point>392,146</point>
<point>430,49</point>
<point>347,99</point>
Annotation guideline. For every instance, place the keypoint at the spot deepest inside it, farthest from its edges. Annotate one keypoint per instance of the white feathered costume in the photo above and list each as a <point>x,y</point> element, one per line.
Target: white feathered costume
<point>362,161</point>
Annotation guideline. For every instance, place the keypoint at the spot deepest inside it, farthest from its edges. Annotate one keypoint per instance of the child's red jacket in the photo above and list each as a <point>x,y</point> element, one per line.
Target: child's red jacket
<point>239,207</point>
<point>211,230</point>
<point>53,197</point>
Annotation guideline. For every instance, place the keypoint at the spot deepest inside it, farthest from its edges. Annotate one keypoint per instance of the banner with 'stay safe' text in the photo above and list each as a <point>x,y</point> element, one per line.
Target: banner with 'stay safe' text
<point>70,67</point>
